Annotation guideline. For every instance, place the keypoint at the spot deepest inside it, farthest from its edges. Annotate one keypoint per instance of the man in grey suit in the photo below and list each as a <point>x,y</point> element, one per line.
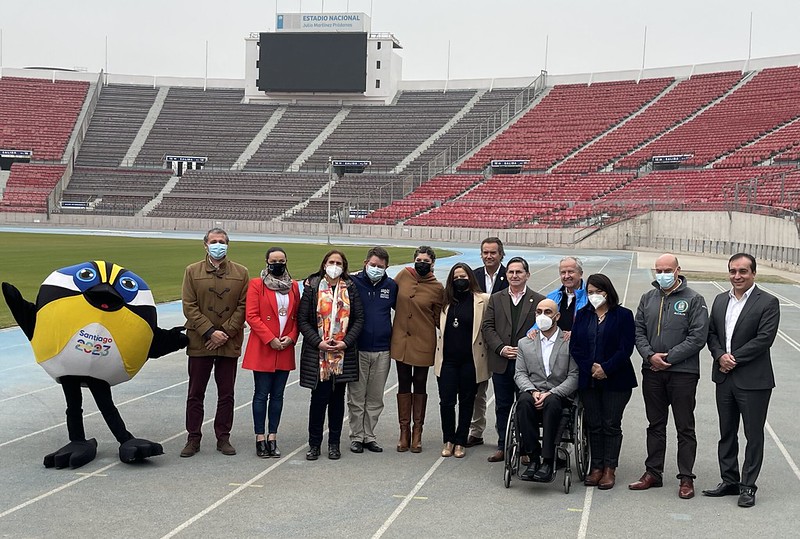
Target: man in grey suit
<point>509,314</point>
<point>547,377</point>
<point>744,323</point>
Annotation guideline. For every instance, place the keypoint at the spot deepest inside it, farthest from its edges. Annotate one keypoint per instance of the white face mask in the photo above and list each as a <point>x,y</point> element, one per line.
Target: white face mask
<point>544,322</point>
<point>597,300</point>
<point>333,271</point>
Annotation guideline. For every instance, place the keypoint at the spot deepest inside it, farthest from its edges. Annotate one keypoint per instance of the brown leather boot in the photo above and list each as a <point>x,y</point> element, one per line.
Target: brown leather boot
<point>419,402</point>
<point>593,479</point>
<point>404,416</point>
<point>608,479</point>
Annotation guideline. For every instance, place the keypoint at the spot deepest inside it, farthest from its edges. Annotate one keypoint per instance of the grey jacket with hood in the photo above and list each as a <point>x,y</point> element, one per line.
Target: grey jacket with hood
<point>675,323</point>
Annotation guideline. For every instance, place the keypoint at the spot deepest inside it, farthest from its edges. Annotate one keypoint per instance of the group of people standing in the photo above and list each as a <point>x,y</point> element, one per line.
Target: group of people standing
<point>481,325</point>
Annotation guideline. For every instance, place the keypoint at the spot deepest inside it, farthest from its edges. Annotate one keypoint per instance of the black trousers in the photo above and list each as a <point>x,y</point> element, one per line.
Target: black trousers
<point>101,391</point>
<point>661,390</point>
<point>329,397</point>
<point>751,406</point>
<point>456,382</point>
<point>529,419</point>
<point>602,411</point>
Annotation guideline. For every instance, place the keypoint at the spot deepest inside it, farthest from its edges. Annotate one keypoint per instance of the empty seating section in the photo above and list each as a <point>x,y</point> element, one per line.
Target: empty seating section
<point>211,123</point>
<point>39,115</point>
<point>436,190</point>
<point>684,99</point>
<point>386,135</point>
<point>28,187</point>
<point>114,191</point>
<point>120,112</point>
<point>507,200</point>
<point>297,128</point>
<point>487,105</point>
<point>784,139</point>
<point>771,98</point>
<point>568,117</point>
<point>238,207</point>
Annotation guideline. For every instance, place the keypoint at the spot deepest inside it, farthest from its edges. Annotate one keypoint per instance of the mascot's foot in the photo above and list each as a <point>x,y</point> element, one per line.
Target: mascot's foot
<point>74,455</point>
<point>137,449</point>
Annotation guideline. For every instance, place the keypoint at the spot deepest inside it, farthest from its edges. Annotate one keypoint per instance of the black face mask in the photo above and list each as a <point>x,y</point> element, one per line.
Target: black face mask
<point>422,268</point>
<point>460,285</point>
<point>277,269</point>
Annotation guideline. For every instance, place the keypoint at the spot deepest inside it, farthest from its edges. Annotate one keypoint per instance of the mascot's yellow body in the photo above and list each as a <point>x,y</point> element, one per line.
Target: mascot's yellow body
<point>93,325</point>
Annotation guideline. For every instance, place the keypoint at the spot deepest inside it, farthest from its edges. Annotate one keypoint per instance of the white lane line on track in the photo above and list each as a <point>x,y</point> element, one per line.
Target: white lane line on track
<point>587,505</point>
<point>786,301</point>
<point>628,280</point>
<point>15,367</point>
<point>99,472</point>
<point>244,486</point>
<point>408,498</point>
<point>29,393</point>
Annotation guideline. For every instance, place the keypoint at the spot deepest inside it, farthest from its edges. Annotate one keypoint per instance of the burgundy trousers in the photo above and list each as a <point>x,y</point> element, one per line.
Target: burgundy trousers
<point>199,374</point>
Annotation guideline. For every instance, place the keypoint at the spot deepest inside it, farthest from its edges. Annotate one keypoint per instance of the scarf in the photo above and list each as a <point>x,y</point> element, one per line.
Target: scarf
<point>333,316</point>
<point>281,284</point>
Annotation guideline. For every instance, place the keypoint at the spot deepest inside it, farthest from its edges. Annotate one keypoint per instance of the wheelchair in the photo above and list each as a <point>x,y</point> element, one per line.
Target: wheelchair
<point>572,435</point>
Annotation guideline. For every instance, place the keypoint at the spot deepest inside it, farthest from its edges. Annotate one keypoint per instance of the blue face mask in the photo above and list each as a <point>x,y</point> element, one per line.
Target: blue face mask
<point>374,273</point>
<point>665,280</point>
<point>217,250</point>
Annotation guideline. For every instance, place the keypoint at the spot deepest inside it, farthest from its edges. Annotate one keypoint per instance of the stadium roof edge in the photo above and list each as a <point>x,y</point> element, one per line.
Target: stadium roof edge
<point>453,84</point>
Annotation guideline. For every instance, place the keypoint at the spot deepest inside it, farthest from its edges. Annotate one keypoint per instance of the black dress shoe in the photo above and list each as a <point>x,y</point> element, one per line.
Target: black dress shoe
<point>533,466</point>
<point>333,452</point>
<point>373,447</point>
<point>356,447</point>
<point>472,441</point>
<point>274,452</point>
<point>747,497</point>
<point>262,450</point>
<point>723,489</point>
<point>312,453</point>
<point>545,473</point>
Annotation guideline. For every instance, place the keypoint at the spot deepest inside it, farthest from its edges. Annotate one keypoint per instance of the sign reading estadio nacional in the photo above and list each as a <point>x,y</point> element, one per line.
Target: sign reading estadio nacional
<point>322,22</point>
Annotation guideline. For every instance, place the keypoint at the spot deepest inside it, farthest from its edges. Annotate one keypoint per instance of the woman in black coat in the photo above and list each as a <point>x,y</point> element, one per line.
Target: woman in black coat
<point>601,344</point>
<point>330,317</point>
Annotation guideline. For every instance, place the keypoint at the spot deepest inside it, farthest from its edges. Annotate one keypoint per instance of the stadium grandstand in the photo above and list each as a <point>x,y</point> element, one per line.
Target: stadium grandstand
<point>551,159</point>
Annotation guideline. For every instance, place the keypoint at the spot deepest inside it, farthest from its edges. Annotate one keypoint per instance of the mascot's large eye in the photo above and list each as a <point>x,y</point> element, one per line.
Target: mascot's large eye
<point>129,284</point>
<point>85,274</point>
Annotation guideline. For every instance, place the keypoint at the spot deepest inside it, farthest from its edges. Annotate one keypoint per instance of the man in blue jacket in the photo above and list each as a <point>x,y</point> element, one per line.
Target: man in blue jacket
<point>378,294</point>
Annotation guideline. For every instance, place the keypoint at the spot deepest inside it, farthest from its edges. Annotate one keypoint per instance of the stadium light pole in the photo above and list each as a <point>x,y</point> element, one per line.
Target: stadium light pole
<point>330,185</point>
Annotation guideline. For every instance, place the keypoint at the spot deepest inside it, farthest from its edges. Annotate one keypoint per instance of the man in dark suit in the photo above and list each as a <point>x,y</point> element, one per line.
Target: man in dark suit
<point>491,278</point>
<point>744,323</point>
<point>509,314</point>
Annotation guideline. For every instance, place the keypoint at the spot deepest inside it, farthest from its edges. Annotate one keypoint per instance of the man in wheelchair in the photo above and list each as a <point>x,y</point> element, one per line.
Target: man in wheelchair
<point>547,377</point>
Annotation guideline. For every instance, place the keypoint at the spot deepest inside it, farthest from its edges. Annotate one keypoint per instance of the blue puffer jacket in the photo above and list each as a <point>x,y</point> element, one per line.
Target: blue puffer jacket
<point>378,300</point>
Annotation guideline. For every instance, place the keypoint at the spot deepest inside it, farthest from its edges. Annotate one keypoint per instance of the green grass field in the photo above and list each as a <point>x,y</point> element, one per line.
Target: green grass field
<point>29,258</point>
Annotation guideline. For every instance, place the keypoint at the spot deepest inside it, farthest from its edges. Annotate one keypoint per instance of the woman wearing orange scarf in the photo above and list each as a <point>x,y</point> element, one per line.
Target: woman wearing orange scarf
<point>330,318</point>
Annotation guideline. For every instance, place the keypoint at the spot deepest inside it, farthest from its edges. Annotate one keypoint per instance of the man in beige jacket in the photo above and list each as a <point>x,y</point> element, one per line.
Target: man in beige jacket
<point>214,292</point>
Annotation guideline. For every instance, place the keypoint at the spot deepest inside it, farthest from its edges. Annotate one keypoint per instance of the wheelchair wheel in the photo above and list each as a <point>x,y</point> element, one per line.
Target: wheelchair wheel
<point>507,477</point>
<point>511,452</point>
<point>581,444</point>
<point>567,482</point>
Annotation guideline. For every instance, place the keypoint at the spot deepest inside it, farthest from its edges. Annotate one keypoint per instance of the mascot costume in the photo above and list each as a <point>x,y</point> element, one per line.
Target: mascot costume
<point>93,325</point>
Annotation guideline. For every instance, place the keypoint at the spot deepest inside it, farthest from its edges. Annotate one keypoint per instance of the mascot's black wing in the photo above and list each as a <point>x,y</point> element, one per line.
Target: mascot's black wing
<point>166,341</point>
<point>24,311</point>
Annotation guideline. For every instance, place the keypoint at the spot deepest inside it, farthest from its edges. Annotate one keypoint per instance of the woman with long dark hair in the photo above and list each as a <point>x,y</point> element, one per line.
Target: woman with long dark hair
<point>461,362</point>
<point>419,302</point>
<point>601,343</point>
<point>330,318</point>
<point>271,313</point>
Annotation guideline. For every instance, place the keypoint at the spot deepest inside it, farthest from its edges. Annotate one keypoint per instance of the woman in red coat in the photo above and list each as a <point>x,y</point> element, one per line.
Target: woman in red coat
<point>272,302</point>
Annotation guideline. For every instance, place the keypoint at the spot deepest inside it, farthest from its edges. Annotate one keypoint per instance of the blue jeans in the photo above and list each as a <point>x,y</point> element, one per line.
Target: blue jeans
<point>268,385</point>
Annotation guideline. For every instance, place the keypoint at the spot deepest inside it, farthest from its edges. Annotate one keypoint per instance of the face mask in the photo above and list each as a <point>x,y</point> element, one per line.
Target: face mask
<point>461,285</point>
<point>217,250</point>
<point>422,268</point>
<point>333,271</point>
<point>544,322</point>
<point>374,273</point>
<point>597,300</point>
<point>277,268</point>
<point>665,280</point>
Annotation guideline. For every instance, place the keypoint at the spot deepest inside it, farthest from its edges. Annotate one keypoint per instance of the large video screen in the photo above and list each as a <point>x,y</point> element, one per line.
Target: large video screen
<point>311,62</point>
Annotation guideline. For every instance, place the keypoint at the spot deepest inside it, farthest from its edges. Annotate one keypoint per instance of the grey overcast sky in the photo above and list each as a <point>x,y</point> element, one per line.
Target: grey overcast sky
<point>498,38</point>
